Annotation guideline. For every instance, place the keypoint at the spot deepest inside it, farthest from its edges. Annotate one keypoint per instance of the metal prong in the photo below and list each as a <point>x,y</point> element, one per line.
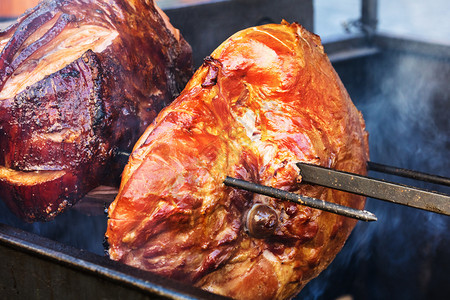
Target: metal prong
<point>378,189</point>
<point>362,215</point>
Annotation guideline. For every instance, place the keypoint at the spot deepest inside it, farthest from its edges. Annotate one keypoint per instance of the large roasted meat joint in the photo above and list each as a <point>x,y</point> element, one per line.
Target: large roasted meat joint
<point>79,81</point>
<point>265,99</point>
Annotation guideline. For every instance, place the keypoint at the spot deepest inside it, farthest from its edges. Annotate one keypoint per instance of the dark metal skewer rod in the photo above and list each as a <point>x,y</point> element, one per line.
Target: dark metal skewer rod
<point>408,173</point>
<point>299,199</point>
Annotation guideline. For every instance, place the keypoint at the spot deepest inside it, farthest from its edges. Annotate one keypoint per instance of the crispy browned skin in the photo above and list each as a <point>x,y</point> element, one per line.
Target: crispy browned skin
<point>80,80</point>
<point>267,98</point>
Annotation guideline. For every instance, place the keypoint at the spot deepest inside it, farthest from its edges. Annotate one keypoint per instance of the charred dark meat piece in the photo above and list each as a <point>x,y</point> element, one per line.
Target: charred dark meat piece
<point>80,80</point>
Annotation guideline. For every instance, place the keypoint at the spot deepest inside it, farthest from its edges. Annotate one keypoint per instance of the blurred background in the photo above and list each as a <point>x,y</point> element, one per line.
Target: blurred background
<point>413,18</point>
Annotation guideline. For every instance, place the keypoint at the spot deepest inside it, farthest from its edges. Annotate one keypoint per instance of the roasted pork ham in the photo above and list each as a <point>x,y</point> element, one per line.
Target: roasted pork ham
<point>267,98</point>
<point>80,80</point>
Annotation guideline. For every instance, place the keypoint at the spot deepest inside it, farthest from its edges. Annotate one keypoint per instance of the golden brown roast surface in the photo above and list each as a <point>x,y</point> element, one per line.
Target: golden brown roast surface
<point>80,80</point>
<point>267,98</point>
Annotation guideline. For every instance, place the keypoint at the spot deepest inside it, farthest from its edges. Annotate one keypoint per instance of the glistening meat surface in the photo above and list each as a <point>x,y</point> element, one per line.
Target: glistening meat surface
<point>80,80</point>
<point>267,98</point>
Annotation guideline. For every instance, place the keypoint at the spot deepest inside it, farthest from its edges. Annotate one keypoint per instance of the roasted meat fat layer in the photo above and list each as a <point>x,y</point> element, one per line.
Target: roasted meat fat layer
<point>265,99</point>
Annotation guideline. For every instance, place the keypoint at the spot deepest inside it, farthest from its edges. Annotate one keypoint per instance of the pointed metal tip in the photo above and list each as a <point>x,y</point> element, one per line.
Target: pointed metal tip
<point>369,217</point>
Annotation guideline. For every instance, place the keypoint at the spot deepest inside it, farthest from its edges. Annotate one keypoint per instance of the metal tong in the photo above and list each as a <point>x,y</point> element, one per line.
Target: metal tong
<point>361,185</point>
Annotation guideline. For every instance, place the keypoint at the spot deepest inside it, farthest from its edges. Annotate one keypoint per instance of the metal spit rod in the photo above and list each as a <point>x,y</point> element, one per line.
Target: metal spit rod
<point>408,173</point>
<point>362,215</point>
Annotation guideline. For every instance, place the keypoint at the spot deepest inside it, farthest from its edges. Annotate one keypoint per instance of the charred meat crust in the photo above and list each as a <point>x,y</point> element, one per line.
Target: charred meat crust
<point>46,132</point>
<point>51,108</point>
<point>78,81</point>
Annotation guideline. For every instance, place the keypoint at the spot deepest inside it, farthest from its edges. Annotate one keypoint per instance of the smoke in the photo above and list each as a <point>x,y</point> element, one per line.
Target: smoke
<point>404,255</point>
<point>403,120</point>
